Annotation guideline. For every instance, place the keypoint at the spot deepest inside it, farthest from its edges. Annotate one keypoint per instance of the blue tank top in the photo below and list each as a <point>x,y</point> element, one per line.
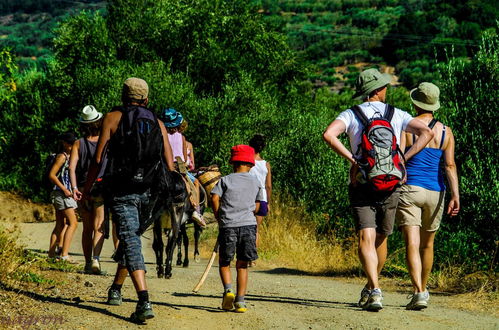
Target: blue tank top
<point>423,169</point>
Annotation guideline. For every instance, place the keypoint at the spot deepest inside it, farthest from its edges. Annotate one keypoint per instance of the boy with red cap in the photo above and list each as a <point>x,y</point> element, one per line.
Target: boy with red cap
<point>234,200</point>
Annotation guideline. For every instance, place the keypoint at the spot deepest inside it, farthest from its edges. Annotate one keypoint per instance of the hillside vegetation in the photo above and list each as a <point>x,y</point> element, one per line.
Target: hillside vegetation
<point>224,66</point>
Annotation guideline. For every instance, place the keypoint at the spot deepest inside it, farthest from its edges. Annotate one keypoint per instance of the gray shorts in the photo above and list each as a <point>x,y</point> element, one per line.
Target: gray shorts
<point>373,209</point>
<point>240,241</point>
<point>61,202</point>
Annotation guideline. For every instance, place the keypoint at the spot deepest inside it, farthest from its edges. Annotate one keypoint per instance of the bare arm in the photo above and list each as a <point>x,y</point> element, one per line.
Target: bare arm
<point>73,162</point>
<point>184,148</point>
<point>331,134</point>
<point>193,165</point>
<point>451,173</point>
<point>403,139</point>
<point>215,204</point>
<point>257,207</point>
<point>268,183</point>
<point>59,162</point>
<point>424,133</point>
<point>109,126</point>
<point>167,149</point>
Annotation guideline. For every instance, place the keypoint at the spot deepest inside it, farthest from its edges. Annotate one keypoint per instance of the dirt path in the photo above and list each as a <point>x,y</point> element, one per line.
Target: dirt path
<point>276,297</point>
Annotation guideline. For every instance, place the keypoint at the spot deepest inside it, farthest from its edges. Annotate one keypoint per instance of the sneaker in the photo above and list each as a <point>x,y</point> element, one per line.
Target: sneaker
<point>96,267</point>
<point>364,296</point>
<point>374,301</point>
<point>418,301</point>
<point>143,312</point>
<point>228,300</point>
<point>240,307</point>
<point>196,216</point>
<point>114,297</point>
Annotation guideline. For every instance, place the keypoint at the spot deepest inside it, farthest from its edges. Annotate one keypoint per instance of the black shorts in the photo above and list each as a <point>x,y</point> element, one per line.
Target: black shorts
<point>237,240</point>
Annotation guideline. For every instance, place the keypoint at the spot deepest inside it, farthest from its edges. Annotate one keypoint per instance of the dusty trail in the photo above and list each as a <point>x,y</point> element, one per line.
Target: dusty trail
<point>277,299</point>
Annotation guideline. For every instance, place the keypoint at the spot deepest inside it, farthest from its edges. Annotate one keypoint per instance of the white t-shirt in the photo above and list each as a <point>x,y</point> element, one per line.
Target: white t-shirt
<point>354,126</point>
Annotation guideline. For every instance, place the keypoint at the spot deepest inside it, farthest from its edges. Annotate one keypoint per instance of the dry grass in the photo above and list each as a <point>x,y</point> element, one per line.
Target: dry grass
<point>288,237</point>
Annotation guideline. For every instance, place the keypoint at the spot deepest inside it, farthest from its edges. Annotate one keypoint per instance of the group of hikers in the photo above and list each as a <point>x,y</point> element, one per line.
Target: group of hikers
<point>122,163</point>
<point>395,175</point>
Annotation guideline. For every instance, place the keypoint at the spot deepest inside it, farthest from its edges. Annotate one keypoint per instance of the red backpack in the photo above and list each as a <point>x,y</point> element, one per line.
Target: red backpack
<point>378,154</point>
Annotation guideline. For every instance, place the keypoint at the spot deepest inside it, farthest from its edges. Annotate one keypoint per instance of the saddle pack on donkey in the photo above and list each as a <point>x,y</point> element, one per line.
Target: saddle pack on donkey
<point>379,156</point>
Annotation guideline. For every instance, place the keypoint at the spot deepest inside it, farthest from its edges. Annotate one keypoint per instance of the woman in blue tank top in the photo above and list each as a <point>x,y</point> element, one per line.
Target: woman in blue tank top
<point>421,202</point>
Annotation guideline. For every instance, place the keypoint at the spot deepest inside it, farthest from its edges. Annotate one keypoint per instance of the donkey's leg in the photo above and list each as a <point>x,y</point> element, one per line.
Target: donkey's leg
<point>157,245</point>
<point>176,212</point>
<point>185,239</point>
<point>179,245</point>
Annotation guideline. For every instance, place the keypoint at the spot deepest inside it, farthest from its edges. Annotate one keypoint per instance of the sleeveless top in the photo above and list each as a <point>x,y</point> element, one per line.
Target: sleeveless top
<point>63,175</point>
<point>260,171</point>
<point>86,153</point>
<point>424,170</point>
<point>176,144</point>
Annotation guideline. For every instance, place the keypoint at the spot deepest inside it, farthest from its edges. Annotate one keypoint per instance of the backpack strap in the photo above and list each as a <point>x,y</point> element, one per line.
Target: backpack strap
<point>443,138</point>
<point>389,111</point>
<point>360,115</point>
<point>432,123</point>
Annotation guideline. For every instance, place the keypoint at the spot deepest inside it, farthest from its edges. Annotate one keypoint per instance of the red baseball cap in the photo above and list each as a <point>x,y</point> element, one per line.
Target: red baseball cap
<point>242,153</point>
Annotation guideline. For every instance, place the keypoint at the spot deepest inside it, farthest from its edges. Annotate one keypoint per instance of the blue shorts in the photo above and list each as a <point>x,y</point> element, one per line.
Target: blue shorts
<point>191,176</point>
<point>264,209</point>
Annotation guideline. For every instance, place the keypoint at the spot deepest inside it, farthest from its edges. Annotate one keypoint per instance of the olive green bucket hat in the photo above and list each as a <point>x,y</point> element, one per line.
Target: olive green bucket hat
<point>370,80</point>
<point>426,96</point>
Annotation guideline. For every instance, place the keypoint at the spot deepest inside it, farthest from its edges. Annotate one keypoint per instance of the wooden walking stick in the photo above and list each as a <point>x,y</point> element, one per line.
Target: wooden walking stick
<point>208,267</point>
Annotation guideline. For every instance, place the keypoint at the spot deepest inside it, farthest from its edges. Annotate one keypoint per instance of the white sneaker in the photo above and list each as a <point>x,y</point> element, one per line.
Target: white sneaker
<point>196,216</point>
<point>96,266</point>
<point>418,302</point>
<point>374,302</point>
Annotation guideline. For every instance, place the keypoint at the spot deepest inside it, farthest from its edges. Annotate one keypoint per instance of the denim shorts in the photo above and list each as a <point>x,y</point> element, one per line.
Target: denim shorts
<point>129,212</point>
<point>240,241</point>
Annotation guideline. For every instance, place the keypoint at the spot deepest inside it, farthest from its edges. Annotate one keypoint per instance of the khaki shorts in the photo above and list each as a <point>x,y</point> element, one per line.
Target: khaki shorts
<point>61,202</point>
<point>373,209</point>
<point>420,207</point>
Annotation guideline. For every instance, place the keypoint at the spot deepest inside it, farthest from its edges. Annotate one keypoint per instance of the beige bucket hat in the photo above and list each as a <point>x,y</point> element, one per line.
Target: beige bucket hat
<point>426,96</point>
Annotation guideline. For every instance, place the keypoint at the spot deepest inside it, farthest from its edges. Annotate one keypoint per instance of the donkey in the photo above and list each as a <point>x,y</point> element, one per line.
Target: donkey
<point>174,213</point>
<point>184,238</point>
<point>178,211</point>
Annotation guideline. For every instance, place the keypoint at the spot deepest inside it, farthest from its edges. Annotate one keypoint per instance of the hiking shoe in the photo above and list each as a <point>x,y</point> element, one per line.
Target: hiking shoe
<point>228,300</point>
<point>364,296</point>
<point>418,301</point>
<point>88,268</point>
<point>196,216</point>
<point>114,297</point>
<point>143,312</point>
<point>96,267</point>
<point>374,301</point>
<point>240,307</point>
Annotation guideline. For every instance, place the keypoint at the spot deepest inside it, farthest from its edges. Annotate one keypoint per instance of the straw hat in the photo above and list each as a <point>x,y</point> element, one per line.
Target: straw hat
<point>89,115</point>
<point>426,96</point>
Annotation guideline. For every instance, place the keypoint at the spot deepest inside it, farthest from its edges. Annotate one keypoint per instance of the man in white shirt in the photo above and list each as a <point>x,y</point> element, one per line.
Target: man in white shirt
<point>374,212</point>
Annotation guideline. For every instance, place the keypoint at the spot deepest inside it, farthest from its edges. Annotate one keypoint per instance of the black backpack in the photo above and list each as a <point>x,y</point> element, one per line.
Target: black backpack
<point>135,152</point>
